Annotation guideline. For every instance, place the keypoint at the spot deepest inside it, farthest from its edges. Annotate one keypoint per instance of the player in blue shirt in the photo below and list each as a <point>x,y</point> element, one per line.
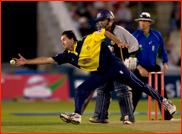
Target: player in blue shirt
<point>91,54</point>
<point>152,47</point>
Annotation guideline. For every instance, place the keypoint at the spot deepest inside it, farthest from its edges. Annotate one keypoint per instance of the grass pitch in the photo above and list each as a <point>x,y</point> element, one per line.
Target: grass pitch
<point>47,119</point>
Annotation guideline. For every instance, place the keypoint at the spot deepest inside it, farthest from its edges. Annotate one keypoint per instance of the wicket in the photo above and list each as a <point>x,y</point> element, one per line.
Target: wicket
<point>156,89</point>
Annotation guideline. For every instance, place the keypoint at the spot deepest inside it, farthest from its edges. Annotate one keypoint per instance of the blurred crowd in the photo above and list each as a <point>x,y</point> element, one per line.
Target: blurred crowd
<point>174,60</point>
<point>84,13</point>
<point>175,21</point>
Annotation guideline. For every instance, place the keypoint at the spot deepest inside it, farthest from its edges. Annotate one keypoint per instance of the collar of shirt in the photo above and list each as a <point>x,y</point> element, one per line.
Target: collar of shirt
<point>147,34</point>
<point>112,28</point>
<point>75,46</point>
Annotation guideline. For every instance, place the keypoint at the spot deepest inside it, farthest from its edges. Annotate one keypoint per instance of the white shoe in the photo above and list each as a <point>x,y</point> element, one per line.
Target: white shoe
<point>71,117</point>
<point>75,118</point>
<point>65,117</point>
<point>126,120</point>
<point>172,119</point>
<point>168,105</point>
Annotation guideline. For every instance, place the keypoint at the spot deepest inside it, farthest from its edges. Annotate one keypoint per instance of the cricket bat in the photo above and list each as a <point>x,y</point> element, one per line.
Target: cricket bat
<point>87,101</point>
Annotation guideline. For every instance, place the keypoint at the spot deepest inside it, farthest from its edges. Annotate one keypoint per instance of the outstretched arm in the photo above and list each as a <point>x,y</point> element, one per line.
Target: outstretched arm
<point>116,40</point>
<point>36,61</point>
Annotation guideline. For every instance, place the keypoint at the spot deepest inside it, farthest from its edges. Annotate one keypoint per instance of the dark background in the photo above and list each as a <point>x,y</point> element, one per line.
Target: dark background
<point>18,30</point>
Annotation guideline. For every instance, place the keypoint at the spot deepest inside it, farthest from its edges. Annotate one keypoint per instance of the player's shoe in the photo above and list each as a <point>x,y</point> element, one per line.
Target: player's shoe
<point>168,105</point>
<point>126,120</point>
<point>75,118</point>
<point>65,117</point>
<point>172,119</point>
<point>96,120</point>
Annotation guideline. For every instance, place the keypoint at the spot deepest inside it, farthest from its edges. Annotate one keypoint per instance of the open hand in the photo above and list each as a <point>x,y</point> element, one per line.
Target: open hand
<point>165,68</point>
<point>123,45</point>
<point>20,61</point>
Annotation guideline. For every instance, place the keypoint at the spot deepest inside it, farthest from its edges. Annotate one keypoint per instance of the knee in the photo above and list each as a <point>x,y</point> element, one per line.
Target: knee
<point>122,91</point>
<point>103,91</point>
<point>81,91</point>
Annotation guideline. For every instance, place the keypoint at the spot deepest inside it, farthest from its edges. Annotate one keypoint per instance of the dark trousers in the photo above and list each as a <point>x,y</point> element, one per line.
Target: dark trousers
<point>116,71</point>
<point>136,94</point>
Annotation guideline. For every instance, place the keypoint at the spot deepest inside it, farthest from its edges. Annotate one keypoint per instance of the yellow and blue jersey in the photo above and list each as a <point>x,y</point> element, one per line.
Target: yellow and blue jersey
<point>90,53</point>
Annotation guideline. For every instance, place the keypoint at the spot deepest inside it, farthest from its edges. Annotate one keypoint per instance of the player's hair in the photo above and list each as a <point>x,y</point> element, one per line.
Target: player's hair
<point>70,34</point>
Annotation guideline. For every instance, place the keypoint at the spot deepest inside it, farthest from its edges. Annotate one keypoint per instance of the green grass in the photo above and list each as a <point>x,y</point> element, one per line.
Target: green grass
<point>53,124</point>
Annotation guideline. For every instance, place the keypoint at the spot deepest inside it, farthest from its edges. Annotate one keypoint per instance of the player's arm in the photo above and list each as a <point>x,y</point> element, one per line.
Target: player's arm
<point>143,72</point>
<point>163,54</point>
<point>116,40</point>
<point>124,35</point>
<point>36,61</point>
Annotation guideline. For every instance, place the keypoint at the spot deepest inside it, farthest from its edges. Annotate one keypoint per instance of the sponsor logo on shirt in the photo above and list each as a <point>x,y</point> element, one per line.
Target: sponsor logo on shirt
<point>112,42</point>
<point>153,48</point>
<point>121,72</point>
<point>150,42</point>
<point>86,61</point>
<point>88,48</point>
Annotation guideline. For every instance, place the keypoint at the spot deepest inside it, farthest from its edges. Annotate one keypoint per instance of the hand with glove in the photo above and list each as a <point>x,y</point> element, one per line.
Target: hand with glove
<point>131,63</point>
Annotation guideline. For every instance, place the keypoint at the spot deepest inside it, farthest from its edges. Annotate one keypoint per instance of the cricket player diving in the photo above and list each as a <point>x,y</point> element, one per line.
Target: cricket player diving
<point>91,54</point>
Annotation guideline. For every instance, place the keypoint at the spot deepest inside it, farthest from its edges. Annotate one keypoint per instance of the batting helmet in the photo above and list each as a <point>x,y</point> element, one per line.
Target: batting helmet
<point>104,14</point>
